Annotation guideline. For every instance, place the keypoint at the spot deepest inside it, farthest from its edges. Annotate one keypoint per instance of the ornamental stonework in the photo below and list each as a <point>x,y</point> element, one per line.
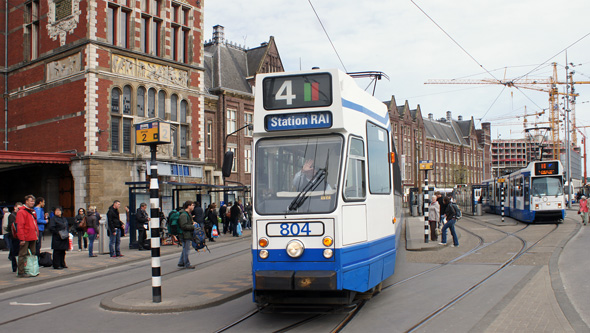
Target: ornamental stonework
<point>63,17</point>
<point>149,71</point>
<point>64,67</point>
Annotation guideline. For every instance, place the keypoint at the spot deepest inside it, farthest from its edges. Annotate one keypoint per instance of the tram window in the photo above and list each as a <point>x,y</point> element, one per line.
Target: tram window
<point>378,157</point>
<point>354,186</point>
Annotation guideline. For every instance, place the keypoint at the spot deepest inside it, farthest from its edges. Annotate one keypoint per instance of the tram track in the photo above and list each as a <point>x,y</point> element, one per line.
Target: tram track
<point>524,249</point>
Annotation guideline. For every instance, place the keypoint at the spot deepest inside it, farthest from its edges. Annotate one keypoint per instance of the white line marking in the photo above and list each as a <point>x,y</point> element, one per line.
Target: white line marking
<point>29,304</point>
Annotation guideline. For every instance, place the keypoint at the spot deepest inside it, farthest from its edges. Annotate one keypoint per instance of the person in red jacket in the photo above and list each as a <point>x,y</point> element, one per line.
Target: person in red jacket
<point>26,231</point>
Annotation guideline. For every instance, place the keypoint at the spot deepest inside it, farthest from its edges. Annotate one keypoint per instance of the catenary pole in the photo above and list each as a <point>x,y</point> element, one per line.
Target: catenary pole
<point>426,201</point>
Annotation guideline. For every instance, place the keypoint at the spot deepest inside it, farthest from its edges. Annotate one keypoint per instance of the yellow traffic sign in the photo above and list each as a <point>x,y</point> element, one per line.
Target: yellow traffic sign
<point>155,132</point>
<point>426,165</point>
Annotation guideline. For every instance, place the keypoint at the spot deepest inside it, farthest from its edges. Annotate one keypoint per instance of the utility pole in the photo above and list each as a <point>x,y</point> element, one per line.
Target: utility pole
<point>567,135</point>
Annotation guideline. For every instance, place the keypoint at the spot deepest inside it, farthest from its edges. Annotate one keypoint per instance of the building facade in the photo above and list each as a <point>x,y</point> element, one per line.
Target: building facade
<point>79,75</point>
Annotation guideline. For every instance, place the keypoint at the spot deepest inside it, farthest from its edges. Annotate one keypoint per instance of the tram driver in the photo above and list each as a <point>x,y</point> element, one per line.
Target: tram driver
<point>305,175</point>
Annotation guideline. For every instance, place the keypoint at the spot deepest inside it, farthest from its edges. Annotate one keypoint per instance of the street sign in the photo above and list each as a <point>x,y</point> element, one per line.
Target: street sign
<point>426,165</point>
<point>501,180</point>
<point>154,132</point>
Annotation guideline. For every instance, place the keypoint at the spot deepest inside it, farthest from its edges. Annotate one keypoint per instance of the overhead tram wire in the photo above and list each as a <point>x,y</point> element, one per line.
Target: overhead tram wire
<point>494,102</point>
<point>457,43</point>
<point>327,35</point>
<point>558,53</point>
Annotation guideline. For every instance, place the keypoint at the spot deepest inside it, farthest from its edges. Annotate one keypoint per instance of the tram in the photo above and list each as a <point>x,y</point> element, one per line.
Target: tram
<point>327,192</point>
<point>532,194</point>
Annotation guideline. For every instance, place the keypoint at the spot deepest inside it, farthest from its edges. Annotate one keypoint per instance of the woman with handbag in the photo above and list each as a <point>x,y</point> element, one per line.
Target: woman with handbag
<point>584,209</point>
<point>60,239</point>
<point>81,228</point>
<point>92,223</point>
<point>433,217</point>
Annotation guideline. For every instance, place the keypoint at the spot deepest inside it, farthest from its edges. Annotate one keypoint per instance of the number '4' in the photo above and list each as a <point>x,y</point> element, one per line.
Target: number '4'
<point>286,92</point>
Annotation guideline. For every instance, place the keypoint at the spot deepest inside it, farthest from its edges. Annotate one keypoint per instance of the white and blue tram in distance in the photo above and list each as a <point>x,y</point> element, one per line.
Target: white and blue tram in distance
<point>326,190</point>
<point>531,194</point>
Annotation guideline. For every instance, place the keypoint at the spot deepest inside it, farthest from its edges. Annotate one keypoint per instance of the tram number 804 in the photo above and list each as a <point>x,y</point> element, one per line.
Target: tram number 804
<point>295,229</point>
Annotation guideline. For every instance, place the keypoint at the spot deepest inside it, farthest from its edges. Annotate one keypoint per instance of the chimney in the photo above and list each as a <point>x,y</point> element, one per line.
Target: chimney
<point>430,116</point>
<point>460,118</point>
<point>218,34</point>
<point>449,116</point>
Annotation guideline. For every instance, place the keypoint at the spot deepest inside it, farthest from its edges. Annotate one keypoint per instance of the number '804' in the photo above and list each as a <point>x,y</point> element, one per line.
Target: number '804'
<point>294,229</point>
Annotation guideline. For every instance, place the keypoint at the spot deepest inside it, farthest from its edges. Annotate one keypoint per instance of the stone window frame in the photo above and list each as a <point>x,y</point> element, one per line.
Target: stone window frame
<point>121,22</point>
<point>180,23</point>
<point>32,29</point>
<point>121,146</point>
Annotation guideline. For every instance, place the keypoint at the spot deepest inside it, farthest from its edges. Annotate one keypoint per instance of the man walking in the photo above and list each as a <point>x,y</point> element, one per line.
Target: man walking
<point>12,237</point>
<point>114,224</point>
<point>186,225</point>
<point>27,232</point>
<point>199,215</point>
<point>142,219</point>
<point>223,214</point>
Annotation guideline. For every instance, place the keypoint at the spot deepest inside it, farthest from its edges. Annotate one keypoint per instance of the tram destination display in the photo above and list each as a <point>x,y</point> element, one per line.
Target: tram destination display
<point>546,168</point>
<point>297,91</point>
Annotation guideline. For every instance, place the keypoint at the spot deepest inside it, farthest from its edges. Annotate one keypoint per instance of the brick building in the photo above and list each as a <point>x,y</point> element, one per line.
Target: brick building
<point>459,151</point>
<point>230,71</point>
<point>80,74</point>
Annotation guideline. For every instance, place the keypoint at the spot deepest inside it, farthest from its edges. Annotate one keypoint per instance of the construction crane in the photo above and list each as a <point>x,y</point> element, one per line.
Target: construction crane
<point>532,84</point>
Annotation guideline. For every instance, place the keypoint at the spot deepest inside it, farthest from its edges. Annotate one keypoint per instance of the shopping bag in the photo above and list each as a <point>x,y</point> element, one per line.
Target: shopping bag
<point>214,232</point>
<point>239,229</point>
<point>71,243</point>
<point>85,235</point>
<point>31,265</point>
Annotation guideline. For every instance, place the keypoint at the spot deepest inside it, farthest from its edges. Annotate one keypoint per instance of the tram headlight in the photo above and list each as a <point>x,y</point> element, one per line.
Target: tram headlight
<point>263,254</point>
<point>536,206</point>
<point>328,253</point>
<point>559,204</point>
<point>295,249</point>
<point>327,241</point>
<point>263,242</point>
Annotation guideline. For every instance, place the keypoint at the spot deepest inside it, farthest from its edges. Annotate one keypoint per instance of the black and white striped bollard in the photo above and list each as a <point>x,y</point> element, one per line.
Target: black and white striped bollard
<point>426,201</point>
<point>155,228</point>
<point>502,200</point>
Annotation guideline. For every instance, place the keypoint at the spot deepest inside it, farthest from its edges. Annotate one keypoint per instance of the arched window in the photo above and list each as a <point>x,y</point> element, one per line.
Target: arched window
<point>161,104</point>
<point>127,100</point>
<point>183,110</point>
<point>151,103</point>
<point>141,101</point>
<point>115,100</point>
<point>174,107</point>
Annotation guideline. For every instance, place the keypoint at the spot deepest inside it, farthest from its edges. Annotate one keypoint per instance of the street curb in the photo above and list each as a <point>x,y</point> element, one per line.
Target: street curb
<point>107,303</point>
<point>563,300</point>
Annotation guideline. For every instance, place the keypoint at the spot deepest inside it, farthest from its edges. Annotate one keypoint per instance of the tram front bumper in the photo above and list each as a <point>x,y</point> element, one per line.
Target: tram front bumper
<point>296,280</point>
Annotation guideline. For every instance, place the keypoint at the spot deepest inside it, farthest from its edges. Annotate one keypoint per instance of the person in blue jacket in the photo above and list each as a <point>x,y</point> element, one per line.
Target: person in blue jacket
<point>41,220</point>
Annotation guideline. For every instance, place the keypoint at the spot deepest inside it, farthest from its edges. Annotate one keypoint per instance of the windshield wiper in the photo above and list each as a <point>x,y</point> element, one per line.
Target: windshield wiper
<point>312,185</point>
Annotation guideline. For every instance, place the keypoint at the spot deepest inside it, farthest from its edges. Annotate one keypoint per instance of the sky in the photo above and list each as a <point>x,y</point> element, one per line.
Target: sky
<point>489,39</point>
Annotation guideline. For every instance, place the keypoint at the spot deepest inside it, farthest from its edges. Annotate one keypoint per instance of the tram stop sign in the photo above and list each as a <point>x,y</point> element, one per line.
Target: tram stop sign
<point>426,165</point>
<point>152,132</point>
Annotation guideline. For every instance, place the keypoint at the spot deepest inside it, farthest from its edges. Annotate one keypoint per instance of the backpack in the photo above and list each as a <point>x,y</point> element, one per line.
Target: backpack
<point>173,227</point>
<point>199,239</point>
<point>458,214</point>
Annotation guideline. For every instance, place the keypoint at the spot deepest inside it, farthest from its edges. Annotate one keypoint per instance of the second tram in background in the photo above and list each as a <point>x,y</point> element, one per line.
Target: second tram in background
<point>532,194</point>
<point>326,190</point>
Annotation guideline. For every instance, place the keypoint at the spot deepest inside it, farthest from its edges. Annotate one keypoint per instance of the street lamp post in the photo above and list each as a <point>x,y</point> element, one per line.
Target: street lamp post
<point>228,157</point>
<point>249,126</point>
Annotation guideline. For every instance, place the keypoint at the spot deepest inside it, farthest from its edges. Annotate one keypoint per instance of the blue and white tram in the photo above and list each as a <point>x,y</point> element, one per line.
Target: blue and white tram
<point>327,207</point>
<point>532,194</point>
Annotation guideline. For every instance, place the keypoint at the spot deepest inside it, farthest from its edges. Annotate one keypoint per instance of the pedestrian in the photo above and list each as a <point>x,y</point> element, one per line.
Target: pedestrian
<point>92,225</point>
<point>222,214</point>
<point>42,220</point>
<point>450,215</point>
<point>27,232</point>
<point>11,237</point>
<point>211,221</point>
<point>199,215</point>
<point>115,227</point>
<point>142,219</point>
<point>584,209</point>
<point>186,225</point>
<point>439,199</point>
<point>60,240</point>
<point>235,212</point>
<point>249,215</point>
<point>81,231</point>
<point>125,230</point>
<point>3,228</point>
<point>433,217</point>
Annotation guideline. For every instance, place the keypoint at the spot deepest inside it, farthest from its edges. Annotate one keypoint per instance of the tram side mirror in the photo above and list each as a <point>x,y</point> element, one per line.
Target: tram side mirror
<point>228,160</point>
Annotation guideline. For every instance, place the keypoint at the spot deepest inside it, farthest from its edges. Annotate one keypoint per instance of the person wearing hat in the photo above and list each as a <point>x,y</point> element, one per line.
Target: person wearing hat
<point>584,209</point>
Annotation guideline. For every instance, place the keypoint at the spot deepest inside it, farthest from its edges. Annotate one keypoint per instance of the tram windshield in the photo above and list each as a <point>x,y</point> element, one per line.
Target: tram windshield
<point>297,175</point>
<point>543,186</point>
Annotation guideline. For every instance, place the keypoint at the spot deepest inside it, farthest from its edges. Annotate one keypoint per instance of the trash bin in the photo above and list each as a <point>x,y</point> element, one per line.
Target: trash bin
<point>478,210</point>
<point>103,239</point>
<point>414,210</point>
